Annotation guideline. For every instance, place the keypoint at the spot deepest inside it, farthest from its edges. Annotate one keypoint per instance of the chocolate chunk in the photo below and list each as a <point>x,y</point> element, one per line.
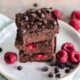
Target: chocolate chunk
<point>60,65</point>
<point>45,68</point>
<point>52,64</point>
<point>0,49</point>
<point>19,67</point>
<point>50,74</point>
<point>50,8</point>
<point>71,66</point>
<point>56,70</point>
<point>67,70</point>
<point>58,75</point>
<point>35,5</point>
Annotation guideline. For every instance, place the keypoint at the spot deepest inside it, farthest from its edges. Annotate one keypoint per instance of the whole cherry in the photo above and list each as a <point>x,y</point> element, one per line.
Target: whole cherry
<point>74,56</point>
<point>10,57</point>
<point>62,56</point>
<point>68,47</point>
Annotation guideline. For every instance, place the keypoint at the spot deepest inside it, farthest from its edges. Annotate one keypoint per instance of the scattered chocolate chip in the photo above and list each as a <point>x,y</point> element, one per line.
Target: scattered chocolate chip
<point>58,75</point>
<point>44,68</point>
<point>19,67</point>
<point>35,4</point>
<point>71,66</point>
<point>52,64</point>
<point>56,70</point>
<point>67,70</point>
<point>50,8</point>
<point>67,64</point>
<point>0,49</point>
<point>60,65</point>
<point>50,74</point>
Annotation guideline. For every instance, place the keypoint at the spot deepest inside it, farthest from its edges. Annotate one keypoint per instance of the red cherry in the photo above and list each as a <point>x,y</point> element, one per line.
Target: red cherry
<point>75,15</point>
<point>62,56</point>
<point>40,56</point>
<point>75,23</point>
<point>74,56</point>
<point>68,47</point>
<point>57,13</point>
<point>31,46</point>
<point>10,57</point>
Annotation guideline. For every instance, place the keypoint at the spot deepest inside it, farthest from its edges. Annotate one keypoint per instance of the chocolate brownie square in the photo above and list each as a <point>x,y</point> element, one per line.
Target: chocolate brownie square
<point>36,25</point>
<point>43,51</point>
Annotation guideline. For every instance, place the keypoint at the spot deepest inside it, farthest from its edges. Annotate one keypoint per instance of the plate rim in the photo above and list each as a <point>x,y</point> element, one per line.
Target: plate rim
<point>64,77</point>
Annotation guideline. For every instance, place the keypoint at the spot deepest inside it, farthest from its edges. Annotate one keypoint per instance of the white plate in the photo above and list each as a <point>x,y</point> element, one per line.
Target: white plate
<point>31,70</point>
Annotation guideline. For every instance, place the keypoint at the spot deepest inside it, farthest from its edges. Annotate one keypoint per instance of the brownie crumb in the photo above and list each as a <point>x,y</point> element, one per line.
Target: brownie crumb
<point>19,67</point>
<point>35,5</point>
<point>0,49</point>
<point>58,75</point>
<point>67,70</point>
<point>45,68</point>
<point>50,74</point>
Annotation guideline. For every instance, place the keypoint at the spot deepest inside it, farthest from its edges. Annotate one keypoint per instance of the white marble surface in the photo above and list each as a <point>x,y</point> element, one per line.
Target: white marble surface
<point>10,7</point>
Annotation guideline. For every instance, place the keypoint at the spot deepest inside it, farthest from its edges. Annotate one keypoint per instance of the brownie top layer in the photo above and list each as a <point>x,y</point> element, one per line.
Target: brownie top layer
<point>36,20</point>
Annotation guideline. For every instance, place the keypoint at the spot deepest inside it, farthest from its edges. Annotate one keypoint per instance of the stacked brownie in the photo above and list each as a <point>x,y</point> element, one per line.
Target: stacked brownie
<point>36,35</point>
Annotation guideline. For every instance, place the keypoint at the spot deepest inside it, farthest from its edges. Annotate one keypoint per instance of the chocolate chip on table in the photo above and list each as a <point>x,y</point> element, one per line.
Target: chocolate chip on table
<point>52,64</point>
<point>50,8</point>
<point>60,65</point>
<point>67,70</point>
<point>44,68</point>
<point>50,74</point>
<point>19,67</point>
<point>58,75</point>
<point>71,66</point>
<point>56,70</point>
<point>0,49</point>
<point>35,5</point>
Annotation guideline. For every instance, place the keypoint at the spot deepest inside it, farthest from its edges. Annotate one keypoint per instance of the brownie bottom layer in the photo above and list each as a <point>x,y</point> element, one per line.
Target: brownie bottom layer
<point>38,57</point>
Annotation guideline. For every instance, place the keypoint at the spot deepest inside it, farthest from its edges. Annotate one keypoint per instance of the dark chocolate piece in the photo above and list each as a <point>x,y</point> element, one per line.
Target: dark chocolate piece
<point>44,68</point>
<point>35,5</point>
<point>56,70</point>
<point>19,67</point>
<point>0,49</point>
<point>58,75</point>
<point>50,74</point>
<point>67,70</point>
